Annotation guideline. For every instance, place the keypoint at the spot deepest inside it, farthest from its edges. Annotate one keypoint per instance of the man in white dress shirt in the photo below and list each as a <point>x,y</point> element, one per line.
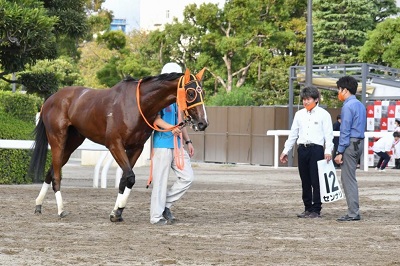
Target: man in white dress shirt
<point>312,128</point>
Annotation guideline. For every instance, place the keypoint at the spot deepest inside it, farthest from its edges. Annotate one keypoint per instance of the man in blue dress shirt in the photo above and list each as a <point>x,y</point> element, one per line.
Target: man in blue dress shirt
<point>351,143</point>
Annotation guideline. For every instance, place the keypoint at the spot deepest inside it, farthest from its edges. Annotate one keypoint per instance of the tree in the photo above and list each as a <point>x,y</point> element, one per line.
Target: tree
<point>341,27</point>
<point>383,44</point>
<point>26,35</point>
<point>33,30</point>
<point>93,58</point>
<point>71,25</point>
<point>236,44</point>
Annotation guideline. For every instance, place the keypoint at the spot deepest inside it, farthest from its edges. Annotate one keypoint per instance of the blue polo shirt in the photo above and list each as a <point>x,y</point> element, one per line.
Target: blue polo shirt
<point>166,139</point>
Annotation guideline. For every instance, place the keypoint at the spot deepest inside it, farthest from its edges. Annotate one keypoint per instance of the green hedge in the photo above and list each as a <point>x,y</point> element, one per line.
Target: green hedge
<point>21,106</point>
<point>17,121</point>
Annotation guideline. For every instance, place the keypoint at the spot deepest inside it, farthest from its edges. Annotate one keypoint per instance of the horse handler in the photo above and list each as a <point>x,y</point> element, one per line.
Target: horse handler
<point>164,159</point>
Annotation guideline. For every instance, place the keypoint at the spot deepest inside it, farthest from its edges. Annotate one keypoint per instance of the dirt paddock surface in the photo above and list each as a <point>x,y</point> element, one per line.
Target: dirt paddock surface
<point>232,215</point>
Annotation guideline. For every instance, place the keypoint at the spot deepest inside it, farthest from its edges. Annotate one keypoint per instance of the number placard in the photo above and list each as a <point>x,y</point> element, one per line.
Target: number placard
<point>328,182</point>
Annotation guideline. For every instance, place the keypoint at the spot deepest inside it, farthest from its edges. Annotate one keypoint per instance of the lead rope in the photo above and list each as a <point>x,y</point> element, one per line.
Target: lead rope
<point>178,151</point>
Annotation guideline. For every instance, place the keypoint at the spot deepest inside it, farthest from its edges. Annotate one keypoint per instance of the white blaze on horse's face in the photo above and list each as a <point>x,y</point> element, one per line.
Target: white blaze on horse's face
<point>195,102</point>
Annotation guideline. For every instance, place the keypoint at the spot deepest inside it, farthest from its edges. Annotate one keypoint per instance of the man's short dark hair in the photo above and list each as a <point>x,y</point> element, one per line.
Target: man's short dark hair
<point>349,83</point>
<point>396,134</point>
<point>311,91</point>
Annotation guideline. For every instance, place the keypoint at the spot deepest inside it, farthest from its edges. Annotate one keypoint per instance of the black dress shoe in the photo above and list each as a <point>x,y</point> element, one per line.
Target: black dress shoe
<point>347,218</point>
<point>313,215</point>
<point>168,215</point>
<point>304,214</point>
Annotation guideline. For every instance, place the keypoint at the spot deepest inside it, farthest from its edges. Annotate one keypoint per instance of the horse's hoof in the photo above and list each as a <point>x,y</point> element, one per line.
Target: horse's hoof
<point>63,214</point>
<point>38,209</point>
<point>116,216</point>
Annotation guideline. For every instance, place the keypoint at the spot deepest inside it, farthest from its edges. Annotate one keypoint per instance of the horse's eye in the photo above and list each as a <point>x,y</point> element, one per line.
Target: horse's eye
<point>190,95</point>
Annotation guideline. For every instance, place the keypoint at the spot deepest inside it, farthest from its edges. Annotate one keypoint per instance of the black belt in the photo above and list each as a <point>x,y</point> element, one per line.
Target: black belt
<point>355,139</point>
<point>307,145</point>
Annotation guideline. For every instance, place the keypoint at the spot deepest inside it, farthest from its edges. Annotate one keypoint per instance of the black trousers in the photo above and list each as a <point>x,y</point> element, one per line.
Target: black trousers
<point>308,170</point>
<point>384,158</point>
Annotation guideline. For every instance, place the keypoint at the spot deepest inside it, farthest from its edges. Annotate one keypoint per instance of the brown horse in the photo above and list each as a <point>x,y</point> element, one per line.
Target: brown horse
<point>118,118</point>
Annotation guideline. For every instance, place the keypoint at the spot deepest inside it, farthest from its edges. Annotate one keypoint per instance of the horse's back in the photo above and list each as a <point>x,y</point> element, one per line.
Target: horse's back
<point>67,104</point>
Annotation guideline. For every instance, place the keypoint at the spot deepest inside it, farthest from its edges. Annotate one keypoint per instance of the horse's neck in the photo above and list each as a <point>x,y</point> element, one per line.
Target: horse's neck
<point>158,97</point>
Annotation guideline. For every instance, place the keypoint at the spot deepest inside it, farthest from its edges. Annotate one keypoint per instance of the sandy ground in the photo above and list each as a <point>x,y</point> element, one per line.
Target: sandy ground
<point>232,215</point>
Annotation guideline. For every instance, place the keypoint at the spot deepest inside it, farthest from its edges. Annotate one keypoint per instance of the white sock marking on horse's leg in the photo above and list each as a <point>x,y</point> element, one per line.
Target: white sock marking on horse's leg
<point>117,201</point>
<point>59,201</point>
<point>124,198</point>
<point>42,193</point>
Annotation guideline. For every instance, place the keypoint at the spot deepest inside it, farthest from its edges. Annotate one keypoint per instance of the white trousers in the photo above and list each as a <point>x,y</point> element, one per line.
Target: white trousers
<point>161,196</point>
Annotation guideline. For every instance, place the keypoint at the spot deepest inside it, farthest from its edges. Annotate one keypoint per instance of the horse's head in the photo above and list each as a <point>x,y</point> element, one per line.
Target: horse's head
<point>191,100</point>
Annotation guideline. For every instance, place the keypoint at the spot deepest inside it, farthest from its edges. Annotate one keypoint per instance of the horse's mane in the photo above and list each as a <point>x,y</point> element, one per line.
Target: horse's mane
<point>129,78</point>
<point>159,78</point>
<point>163,77</point>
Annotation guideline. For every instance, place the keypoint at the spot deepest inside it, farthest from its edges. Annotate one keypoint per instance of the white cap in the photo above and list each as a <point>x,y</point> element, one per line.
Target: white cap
<point>171,67</point>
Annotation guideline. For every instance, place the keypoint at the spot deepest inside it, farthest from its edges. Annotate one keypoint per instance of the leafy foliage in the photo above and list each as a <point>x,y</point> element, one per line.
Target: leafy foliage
<point>41,83</point>
<point>17,114</point>
<point>383,44</point>
<point>242,96</point>
<point>20,106</point>
<point>26,34</point>
<point>341,27</point>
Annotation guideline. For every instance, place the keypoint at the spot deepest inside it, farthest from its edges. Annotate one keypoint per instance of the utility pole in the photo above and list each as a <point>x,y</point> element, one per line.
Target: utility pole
<point>309,45</point>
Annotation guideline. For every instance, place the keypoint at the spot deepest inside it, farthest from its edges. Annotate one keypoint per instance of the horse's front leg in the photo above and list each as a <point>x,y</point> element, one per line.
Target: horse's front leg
<point>125,185</point>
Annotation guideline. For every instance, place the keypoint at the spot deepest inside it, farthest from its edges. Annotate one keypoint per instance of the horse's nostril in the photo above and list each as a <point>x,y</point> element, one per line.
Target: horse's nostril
<point>202,126</point>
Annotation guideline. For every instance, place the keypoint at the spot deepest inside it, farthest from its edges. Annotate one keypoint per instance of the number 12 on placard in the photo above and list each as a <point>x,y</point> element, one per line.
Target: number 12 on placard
<point>330,186</point>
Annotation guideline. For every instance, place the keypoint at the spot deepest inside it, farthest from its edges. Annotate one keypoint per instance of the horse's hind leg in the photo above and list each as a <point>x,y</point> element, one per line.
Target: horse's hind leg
<point>73,141</point>
<point>43,191</point>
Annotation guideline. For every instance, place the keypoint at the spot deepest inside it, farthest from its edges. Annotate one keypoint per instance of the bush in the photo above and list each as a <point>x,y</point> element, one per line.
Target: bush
<point>242,96</point>
<point>20,106</point>
<point>14,163</point>
<point>17,121</point>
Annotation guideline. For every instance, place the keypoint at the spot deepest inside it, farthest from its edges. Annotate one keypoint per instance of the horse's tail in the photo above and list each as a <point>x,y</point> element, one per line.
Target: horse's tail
<point>39,155</point>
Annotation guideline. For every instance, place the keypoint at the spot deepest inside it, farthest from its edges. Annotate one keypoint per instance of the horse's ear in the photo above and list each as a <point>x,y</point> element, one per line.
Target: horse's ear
<point>187,75</point>
<point>199,75</point>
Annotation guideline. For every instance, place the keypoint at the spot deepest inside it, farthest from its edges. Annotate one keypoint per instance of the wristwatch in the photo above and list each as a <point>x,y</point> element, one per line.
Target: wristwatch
<point>337,153</point>
<point>188,141</point>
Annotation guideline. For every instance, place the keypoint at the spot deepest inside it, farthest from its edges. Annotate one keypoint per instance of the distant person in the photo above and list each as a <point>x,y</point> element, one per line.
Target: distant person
<point>312,128</point>
<point>396,151</point>
<point>383,147</point>
<point>351,143</point>
<point>336,127</point>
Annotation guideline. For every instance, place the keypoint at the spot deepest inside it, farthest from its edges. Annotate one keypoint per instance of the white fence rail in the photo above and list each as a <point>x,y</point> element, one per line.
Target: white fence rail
<point>86,145</point>
<point>364,163</point>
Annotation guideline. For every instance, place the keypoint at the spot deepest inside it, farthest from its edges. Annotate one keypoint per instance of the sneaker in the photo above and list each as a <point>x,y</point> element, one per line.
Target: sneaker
<point>376,168</point>
<point>382,170</point>
<point>168,215</point>
<point>304,214</point>
<point>314,215</point>
<point>161,222</point>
